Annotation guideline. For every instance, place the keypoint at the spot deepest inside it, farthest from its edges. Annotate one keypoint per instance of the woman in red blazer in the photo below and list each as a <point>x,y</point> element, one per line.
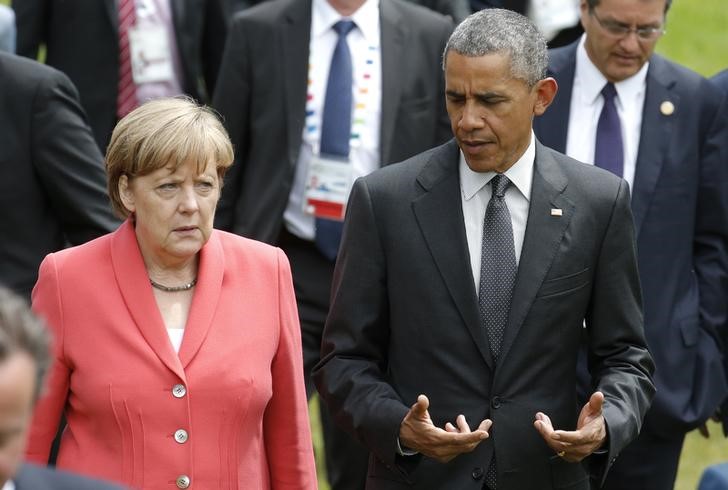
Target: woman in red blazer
<point>177,347</point>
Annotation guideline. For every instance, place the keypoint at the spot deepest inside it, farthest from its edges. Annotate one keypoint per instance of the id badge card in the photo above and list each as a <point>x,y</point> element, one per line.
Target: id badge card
<point>151,59</point>
<point>328,185</point>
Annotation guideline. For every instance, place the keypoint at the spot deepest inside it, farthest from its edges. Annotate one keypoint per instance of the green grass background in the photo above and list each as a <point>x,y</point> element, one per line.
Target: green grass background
<point>697,37</point>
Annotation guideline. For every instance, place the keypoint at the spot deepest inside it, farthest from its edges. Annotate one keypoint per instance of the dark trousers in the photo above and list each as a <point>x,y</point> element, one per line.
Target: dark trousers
<point>648,463</point>
<point>346,459</point>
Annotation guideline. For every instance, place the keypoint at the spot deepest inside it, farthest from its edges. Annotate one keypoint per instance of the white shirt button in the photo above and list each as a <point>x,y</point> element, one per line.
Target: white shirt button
<point>183,481</point>
<point>181,436</point>
<point>179,391</point>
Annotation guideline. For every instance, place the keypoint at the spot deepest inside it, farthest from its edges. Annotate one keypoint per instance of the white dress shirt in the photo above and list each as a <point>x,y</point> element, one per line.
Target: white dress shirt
<point>586,106</point>
<point>9,485</point>
<point>175,337</point>
<point>158,14</point>
<point>475,195</point>
<point>364,45</point>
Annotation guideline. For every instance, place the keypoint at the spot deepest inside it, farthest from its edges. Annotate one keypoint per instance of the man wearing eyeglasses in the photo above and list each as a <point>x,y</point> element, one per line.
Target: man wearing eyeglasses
<point>664,129</point>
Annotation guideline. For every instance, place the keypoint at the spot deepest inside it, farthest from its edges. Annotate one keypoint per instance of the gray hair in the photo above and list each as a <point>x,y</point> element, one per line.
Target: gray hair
<point>23,332</point>
<point>501,31</point>
<point>593,3</point>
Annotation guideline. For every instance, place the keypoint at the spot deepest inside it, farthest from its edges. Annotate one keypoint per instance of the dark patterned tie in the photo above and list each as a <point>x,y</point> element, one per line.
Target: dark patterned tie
<point>497,277</point>
<point>336,128</point>
<point>608,150</point>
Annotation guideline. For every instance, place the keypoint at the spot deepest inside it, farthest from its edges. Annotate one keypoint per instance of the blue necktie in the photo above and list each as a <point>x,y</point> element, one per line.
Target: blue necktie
<point>498,270</point>
<point>336,128</point>
<point>608,150</point>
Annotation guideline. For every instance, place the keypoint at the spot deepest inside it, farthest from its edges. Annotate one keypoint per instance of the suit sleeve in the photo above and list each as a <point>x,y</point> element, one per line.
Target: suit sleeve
<point>351,376</point>
<point>231,100</point>
<point>710,251</point>
<point>31,17</point>
<point>68,162</point>
<point>619,362</point>
<point>47,304</point>
<point>710,243</point>
<point>286,426</point>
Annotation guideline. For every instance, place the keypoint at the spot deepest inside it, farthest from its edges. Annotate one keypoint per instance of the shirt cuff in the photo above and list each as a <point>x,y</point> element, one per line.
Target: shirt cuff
<point>404,451</point>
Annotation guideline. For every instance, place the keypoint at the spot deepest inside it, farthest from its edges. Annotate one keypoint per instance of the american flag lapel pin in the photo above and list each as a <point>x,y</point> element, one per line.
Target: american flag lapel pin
<point>556,212</point>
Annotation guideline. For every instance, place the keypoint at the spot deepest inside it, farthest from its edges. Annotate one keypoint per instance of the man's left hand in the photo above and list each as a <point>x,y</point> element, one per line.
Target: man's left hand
<point>590,433</point>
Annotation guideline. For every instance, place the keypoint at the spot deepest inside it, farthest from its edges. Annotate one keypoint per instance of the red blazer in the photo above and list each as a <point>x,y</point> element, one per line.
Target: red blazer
<point>236,386</point>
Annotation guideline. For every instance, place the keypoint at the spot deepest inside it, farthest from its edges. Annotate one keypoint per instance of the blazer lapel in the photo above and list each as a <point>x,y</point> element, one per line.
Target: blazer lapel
<point>440,216</point>
<point>133,282</point>
<point>204,302</point>
<point>113,12</point>
<point>654,137</point>
<point>295,39</point>
<point>392,41</point>
<point>553,125</point>
<point>544,232</point>
<point>179,12</point>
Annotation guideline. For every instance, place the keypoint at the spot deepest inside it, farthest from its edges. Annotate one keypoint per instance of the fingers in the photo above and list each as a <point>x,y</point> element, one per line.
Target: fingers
<point>462,424</point>
<point>703,429</point>
<point>485,425</point>
<point>596,402</point>
<point>419,409</point>
<point>543,425</point>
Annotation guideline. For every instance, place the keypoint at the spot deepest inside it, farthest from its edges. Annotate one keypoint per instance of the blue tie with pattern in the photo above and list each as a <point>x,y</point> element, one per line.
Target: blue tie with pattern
<point>497,278</point>
<point>608,150</point>
<point>336,128</point>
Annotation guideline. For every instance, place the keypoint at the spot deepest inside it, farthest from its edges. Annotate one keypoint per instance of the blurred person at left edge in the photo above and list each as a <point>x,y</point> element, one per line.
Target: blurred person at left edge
<point>177,351</point>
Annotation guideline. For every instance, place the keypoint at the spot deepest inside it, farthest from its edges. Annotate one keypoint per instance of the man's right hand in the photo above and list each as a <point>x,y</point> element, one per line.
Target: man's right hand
<point>418,433</point>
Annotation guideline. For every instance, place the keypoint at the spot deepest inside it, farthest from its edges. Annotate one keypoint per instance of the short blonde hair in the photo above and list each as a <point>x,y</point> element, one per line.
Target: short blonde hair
<point>166,131</point>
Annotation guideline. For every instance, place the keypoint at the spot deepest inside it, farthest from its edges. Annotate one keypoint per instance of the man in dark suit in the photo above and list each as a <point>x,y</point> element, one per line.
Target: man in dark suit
<point>273,92</point>
<point>82,40</point>
<point>465,278</point>
<point>52,179</point>
<point>24,360</point>
<point>670,145</point>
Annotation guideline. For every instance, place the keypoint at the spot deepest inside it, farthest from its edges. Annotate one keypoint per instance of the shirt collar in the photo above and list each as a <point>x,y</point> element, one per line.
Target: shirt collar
<point>591,80</point>
<point>366,18</point>
<point>520,174</point>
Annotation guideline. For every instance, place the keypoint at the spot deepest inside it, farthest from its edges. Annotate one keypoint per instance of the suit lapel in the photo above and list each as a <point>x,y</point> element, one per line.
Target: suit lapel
<point>204,302</point>
<point>655,134</point>
<point>179,12</point>
<point>553,125</point>
<point>544,232</point>
<point>392,41</point>
<point>113,12</point>
<point>133,282</point>
<point>440,216</point>
<point>295,39</point>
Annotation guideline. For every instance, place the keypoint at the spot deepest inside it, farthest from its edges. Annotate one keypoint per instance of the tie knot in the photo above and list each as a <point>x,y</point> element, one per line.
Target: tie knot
<point>344,27</point>
<point>499,183</point>
<point>609,92</point>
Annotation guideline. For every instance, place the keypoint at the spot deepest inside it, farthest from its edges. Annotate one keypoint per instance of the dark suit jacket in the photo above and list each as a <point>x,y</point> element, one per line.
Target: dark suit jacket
<point>32,477</point>
<point>721,80</point>
<point>404,320</point>
<point>680,206</point>
<point>81,38</point>
<point>52,180</point>
<point>261,94</point>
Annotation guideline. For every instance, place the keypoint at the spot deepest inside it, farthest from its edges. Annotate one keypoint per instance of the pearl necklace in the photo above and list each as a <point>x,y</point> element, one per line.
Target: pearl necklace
<point>174,289</point>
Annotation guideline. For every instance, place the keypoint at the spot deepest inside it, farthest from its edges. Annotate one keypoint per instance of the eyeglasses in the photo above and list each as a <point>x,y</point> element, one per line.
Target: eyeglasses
<point>618,29</point>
